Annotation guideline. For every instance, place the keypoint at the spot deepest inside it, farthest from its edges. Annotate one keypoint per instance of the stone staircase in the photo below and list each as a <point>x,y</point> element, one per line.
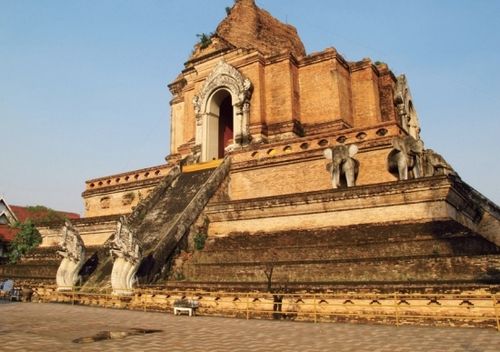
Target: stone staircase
<point>162,220</point>
<point>424,254</point>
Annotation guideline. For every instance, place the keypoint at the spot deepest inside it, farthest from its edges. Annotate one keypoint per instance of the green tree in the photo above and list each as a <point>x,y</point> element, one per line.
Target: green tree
<point>205,39</point>
<point>25,241</point>
<point>45,214</point>
<point>199,241</point>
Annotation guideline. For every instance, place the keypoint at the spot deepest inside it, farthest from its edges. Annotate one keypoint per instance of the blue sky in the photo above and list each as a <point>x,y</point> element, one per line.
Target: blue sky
<point>83,84</point>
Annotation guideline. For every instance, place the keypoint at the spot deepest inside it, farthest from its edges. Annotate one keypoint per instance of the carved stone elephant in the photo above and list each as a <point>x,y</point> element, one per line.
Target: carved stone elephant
<point>434,164</point>
<point>342,164</point>
<point>406,156</point>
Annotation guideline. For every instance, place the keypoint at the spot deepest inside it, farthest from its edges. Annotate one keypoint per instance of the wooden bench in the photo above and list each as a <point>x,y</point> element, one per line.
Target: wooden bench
<point>189,310</point>
<point>186,305</point>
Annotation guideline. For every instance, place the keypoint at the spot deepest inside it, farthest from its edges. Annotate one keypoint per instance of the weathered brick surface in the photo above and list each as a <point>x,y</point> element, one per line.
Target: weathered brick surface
<point>365,95</point>
<point>313,89</point>
<point>120,193</point>
<point>116,201</point>
<point>405,270</point>
<point>398,253</point>
<point>319,95</point>
<point>386,86</point>
<point>304,175</point>
<point>248,26</point>
<point>279,96</point>
<point>280,179</point>
<point>256,73</point>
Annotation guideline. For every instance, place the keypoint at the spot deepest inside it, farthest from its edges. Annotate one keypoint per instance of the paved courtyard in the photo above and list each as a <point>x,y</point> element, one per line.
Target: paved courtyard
<point>53,327</point>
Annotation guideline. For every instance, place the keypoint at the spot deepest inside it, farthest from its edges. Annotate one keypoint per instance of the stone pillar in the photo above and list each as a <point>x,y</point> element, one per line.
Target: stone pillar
<point>237,125</point>
<point>245,128</point>
<point>199,130</point>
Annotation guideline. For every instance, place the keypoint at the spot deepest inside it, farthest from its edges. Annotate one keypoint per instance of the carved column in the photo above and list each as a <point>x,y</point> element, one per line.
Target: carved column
<point>245,124</point>
<point>199,120</point>
<point>238,124</point>
<point>199,130</point>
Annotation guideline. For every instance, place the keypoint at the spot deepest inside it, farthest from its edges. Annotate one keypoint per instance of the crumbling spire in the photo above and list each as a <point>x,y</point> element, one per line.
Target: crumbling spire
<point>248,26</point>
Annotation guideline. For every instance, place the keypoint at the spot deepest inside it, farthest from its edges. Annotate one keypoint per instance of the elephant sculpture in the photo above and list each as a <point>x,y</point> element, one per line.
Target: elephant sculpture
<point>342,164</point>
<point>434,164</point>
<point>406,157</point>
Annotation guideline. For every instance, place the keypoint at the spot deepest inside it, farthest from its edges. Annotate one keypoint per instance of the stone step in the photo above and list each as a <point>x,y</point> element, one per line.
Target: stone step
<point>348,236</point>
<point>386,249</point>
<point>485,268</point>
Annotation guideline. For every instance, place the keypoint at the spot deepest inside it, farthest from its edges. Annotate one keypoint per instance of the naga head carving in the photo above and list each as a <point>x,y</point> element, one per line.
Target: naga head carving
<point>71,243</point>
<point>125,243</point>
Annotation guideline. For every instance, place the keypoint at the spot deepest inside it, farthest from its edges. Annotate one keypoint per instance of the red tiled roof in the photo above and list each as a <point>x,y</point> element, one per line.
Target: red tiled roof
<point>7,233</point>
<point>24,213</point>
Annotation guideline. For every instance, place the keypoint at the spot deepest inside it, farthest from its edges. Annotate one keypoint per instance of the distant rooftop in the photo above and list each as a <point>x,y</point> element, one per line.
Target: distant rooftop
<point>21,214</point>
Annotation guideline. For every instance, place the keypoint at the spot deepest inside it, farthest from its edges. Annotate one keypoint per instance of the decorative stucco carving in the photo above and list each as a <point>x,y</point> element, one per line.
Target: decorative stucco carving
<point>177,86</point>
<point>405,109</point>
<point>73,253</point>
<point>197,106</point>
<point>342,164</point>
<point>105,202</point>
<point>127,256</point>
<point>406,157</point>
<point>196,154</point>
<point>225,76</point>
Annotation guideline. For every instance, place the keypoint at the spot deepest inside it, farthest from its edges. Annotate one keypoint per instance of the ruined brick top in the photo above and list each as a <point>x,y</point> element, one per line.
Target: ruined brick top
<point>250,27</point>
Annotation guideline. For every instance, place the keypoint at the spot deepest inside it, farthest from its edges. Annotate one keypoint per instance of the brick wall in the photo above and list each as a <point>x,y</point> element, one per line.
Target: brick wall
<point>317,89</point>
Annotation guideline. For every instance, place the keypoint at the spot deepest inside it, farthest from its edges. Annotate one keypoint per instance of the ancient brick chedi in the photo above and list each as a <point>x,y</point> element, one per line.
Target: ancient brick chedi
<point>296,170</point>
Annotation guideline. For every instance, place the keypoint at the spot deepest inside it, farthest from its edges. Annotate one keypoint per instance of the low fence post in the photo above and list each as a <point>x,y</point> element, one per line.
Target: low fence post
<point>315,309</point>
<point>248,306</point>
<point>396,308</point>
<point>105,301</point>
<point>495,307</point>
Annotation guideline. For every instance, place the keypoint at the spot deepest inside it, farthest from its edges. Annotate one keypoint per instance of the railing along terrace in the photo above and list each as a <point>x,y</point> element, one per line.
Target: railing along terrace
<point>397,308</point>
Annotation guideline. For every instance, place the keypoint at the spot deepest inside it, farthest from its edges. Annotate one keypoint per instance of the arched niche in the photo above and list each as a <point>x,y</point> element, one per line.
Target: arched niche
<point>225,85</point>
